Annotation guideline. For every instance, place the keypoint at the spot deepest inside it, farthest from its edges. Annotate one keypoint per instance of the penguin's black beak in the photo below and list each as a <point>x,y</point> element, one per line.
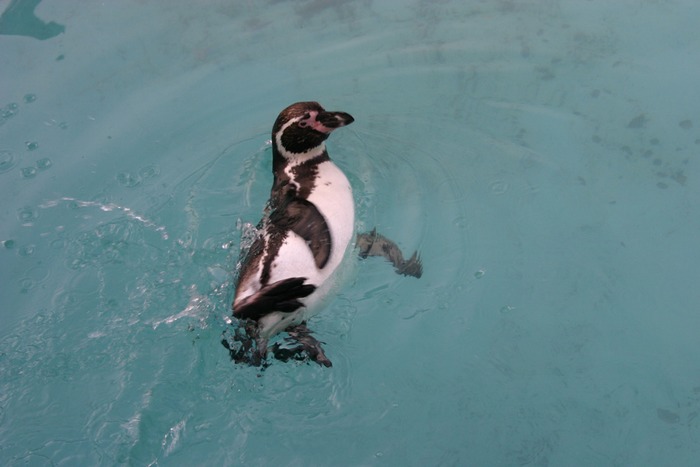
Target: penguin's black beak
<point>333,120</point>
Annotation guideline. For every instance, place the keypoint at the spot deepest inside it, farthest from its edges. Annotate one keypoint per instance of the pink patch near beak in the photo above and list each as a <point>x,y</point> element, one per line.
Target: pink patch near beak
<point>312,122</point>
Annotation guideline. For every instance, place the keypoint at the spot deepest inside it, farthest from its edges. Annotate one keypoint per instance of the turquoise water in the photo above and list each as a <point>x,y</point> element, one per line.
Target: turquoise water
<point>542,155</point>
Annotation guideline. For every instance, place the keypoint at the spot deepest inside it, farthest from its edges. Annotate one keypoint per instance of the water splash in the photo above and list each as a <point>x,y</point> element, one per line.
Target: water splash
<point>108,207</point>
<point>196,307</point>
<point>171,439</point>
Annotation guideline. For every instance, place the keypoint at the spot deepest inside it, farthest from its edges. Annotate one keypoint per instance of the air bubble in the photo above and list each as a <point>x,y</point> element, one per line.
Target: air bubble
<point>8,244</point>
<point>63,125</point>
<point>27,214</point>
<point>32,145</point>
<point>43,164</point>
<point>479,274</point>
<point>27,250</point>
<point>29,98</point>
<point>128,180</point>
<point>58,244</point>
<point>29,172</point>
<point>460,222</point>
<point>150,171</point>
<point>498,187</point>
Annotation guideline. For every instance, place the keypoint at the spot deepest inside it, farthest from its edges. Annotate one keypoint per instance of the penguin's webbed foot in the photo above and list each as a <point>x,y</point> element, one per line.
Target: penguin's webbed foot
<point>412,267</point>
<point>308,347</point>
<point>374,244</point>
<point>245,346</point>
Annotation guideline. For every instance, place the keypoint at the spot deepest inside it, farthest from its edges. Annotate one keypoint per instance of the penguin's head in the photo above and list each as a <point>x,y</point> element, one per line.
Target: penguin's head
<point>301,129</point>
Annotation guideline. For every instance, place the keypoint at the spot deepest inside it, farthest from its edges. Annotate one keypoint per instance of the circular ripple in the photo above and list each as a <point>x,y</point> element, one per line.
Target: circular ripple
<point>7,160</point>
<point>26,284</point>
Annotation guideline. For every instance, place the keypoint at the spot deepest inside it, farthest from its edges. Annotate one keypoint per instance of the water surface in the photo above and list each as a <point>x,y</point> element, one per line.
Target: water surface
<point>542,156</point>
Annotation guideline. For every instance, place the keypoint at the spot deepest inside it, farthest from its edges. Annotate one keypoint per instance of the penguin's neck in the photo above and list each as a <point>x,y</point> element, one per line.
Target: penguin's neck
<point>289,173</point>
<point>282,159</point>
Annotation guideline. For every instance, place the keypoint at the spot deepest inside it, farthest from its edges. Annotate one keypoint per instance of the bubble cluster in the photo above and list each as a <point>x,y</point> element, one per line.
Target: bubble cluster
<point>7,112</point>
<point>39,166</point>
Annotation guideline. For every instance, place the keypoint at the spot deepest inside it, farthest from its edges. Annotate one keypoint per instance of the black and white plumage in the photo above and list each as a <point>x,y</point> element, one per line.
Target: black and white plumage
<point>303,238</point>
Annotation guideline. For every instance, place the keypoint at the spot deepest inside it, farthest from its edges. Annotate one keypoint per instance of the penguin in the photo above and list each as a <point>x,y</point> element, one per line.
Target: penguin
<point>306,229</point>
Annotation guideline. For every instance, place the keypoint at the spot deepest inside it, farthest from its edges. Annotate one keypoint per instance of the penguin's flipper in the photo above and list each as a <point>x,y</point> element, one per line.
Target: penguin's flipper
<point>307,343</point>
<point>305,220</point>
<point>374,244</point>
<point>281,296</point>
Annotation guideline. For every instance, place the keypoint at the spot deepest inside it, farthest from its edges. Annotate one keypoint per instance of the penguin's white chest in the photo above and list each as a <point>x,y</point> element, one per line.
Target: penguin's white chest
<point>332,196</point>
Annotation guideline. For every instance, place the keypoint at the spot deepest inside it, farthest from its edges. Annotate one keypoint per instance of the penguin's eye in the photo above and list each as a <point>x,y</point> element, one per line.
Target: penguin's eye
<point>303,123</point>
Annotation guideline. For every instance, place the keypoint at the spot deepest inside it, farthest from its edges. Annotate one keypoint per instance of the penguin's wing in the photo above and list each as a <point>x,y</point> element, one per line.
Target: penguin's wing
<point>281,296</point>
<point>304,219</point>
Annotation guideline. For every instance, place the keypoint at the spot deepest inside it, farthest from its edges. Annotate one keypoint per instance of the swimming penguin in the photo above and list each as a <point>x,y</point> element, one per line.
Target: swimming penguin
<point>302,239</point>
